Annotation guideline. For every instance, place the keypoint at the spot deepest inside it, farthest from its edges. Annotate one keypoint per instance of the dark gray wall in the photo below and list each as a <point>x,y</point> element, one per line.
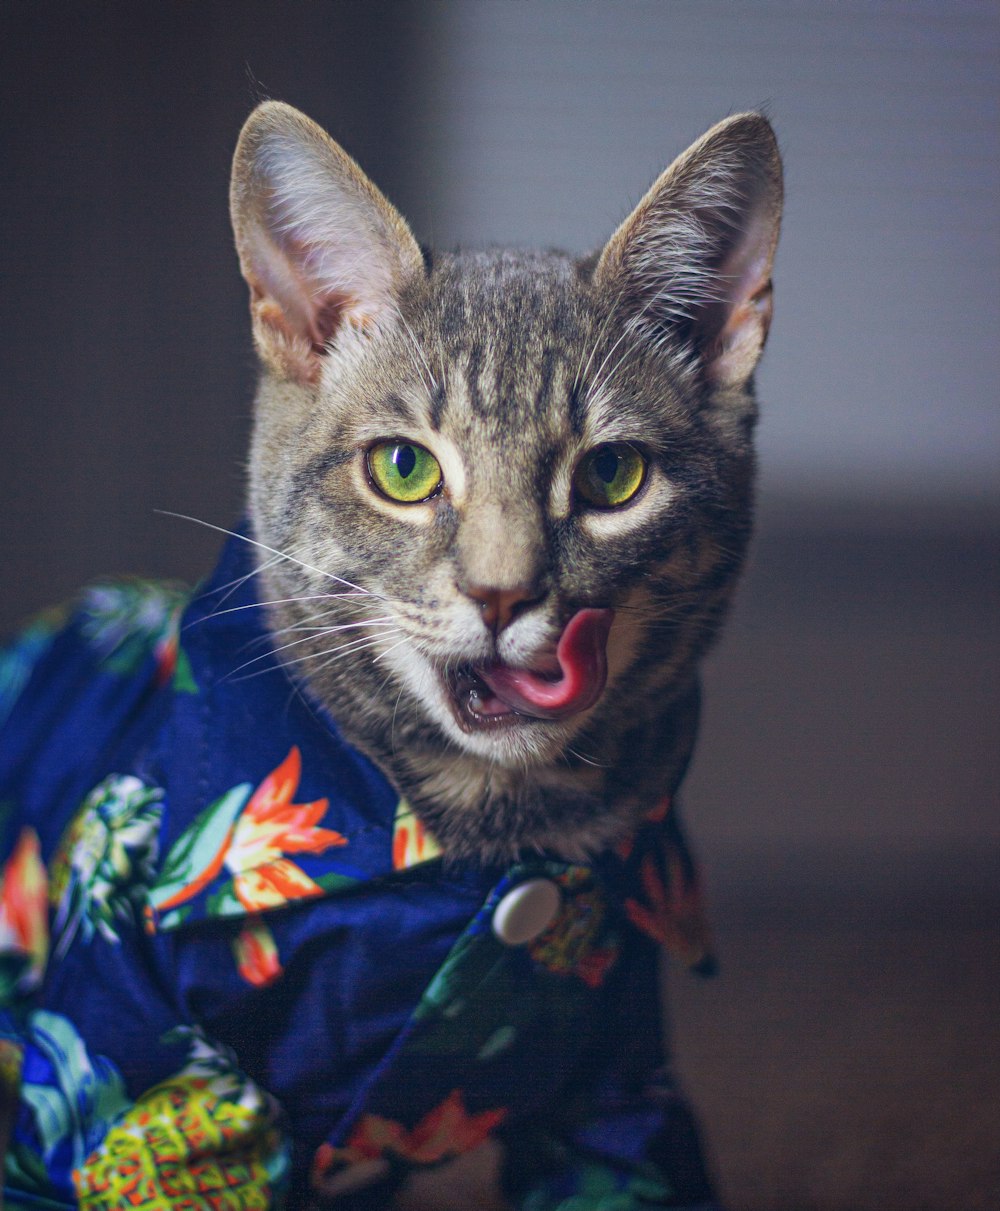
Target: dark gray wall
<point>880,377</point>
<point>126,363</point>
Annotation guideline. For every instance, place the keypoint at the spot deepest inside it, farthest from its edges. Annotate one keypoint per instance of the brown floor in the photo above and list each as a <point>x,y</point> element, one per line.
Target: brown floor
<point>848,1061</point>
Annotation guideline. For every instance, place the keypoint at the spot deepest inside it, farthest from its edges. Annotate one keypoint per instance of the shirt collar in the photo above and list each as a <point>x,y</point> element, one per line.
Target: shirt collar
<point>267,804</point>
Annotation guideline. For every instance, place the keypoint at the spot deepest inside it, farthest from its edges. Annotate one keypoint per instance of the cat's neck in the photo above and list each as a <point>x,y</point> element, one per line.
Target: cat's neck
<point>592,797</point>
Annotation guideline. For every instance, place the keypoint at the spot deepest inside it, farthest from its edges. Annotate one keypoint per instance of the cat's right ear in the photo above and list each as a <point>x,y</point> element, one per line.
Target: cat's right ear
<point>321,249</point>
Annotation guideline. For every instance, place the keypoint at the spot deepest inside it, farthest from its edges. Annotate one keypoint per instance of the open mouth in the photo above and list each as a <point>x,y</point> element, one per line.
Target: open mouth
<point>498,695</point>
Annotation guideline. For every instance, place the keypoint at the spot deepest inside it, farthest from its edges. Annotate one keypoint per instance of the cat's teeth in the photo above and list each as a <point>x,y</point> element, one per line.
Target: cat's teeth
<point>475,697</point>
<point>485,706</point>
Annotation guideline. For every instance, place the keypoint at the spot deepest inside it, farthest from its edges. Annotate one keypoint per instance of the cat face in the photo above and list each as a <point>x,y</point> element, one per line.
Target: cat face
<point>510,491</point>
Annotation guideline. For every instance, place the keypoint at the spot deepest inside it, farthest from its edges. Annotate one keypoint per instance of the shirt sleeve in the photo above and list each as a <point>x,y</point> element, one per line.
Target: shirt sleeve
<point>20,655</point>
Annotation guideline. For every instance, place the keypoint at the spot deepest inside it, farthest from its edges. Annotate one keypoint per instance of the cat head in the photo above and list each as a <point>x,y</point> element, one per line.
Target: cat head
<point>511,491</point>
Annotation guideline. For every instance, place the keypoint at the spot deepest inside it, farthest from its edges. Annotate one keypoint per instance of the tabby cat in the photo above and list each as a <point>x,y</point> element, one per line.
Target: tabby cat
<point>391,939</point>
<point>531,475</point>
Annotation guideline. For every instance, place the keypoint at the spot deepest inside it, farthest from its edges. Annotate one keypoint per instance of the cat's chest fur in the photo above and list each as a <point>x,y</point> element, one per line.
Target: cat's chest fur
<point>512,490</point>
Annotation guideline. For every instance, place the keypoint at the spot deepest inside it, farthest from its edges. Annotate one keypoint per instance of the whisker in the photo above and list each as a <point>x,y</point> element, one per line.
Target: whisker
<point>299,624</point>
<point>321,629</point>
<point>236,609</point>
<point>416,345</point>
<point>392,725</point>
<point>318,630</point>
<point>444,368</point>
<point>337,653</point>
<point>392,649</point>
<point>264,547</point>
<point>347,649</point>
<point>586,760</point>
<point>229,589</point>
<point>294,644</point>
<point>322,619</point>
<point>597,384</point>
<point>254,605</point>
<point>630,329</point>
<point>612,313</point>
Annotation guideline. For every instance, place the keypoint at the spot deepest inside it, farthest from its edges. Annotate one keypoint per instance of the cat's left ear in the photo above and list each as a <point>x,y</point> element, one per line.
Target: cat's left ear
<point>693,261</point>
<point>320,247</point>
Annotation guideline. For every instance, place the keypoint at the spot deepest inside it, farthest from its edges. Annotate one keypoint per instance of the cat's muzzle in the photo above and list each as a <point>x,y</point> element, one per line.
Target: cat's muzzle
<point>498,695</point>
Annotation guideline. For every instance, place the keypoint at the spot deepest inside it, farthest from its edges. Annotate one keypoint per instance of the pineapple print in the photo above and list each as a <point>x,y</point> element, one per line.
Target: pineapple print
<point>204,1139</point>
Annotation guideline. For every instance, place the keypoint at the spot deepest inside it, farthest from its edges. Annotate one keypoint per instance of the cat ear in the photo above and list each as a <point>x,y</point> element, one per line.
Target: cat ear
<point>693,260</point>
<point>319,245</point>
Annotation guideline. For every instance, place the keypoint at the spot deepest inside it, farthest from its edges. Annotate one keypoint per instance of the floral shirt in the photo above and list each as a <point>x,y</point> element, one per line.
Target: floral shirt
<point>234,968</point>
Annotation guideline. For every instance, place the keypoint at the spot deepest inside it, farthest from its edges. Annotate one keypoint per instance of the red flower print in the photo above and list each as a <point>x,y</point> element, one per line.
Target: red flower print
<point>250,835</point>
<point>411,841</point>
<point>24,905</point>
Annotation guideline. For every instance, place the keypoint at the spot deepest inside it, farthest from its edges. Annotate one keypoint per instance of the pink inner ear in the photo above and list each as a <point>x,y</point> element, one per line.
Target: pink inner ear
<point>322,250</point>
<point>733,352</point>
<point>746,271</point>
<point>295,316</point>
<point>733,330</point>
<point>315,310</point>
<point>316,328</point>
<point>328,314</point>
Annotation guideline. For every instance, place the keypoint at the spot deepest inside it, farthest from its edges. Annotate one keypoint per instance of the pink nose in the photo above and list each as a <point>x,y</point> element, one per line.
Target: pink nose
<point>500,606</point>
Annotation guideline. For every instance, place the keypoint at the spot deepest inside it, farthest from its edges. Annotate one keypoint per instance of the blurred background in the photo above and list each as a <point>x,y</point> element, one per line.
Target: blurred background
<point>845,791</point>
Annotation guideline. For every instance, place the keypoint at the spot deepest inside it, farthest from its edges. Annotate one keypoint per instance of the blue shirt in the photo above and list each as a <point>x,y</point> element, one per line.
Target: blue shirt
<point>233,963</point>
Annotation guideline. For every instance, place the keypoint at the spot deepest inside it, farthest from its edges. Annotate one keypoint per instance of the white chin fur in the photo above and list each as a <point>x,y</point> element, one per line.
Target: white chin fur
<point>517,745</point>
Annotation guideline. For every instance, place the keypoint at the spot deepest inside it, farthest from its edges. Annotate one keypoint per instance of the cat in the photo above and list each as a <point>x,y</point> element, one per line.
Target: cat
<point>538,388</point>
<point>498,503</point>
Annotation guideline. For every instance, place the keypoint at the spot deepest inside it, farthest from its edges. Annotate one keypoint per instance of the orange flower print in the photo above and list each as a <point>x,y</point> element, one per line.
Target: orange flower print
<point>673,917</point>
<point>257,954</point>
<point>444,1132</point>
<point>24,908</point>
<point>411,842</point>
<point>249,835</point>
<point>269,827</point>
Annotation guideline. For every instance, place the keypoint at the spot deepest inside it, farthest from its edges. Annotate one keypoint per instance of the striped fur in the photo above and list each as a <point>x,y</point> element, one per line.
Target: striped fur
<point>509,367</point>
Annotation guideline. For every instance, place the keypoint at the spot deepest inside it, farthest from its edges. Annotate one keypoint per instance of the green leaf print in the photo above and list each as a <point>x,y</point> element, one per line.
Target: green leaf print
<point>85,1095</point>
<point>196,856</point>
<point>184,682</point>
<point>18,661</point>
<point>105,859</point>
<point>124,619</point>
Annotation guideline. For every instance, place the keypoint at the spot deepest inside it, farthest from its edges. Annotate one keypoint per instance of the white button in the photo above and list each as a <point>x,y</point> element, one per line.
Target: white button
<point>526,911</point>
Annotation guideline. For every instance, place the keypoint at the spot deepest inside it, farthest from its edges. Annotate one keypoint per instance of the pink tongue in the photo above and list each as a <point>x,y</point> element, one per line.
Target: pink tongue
<point>583,670</point>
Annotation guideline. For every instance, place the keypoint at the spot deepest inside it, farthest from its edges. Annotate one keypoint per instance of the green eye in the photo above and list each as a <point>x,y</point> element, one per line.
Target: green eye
<point>610,475</point>
<point>404,471</point>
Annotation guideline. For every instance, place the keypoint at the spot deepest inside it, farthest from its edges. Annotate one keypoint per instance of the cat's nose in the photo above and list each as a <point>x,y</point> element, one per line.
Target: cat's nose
<point>501,606</point>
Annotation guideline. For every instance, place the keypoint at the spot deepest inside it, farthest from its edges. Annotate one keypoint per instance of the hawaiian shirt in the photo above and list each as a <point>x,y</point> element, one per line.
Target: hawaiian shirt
<point>235,968</point>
